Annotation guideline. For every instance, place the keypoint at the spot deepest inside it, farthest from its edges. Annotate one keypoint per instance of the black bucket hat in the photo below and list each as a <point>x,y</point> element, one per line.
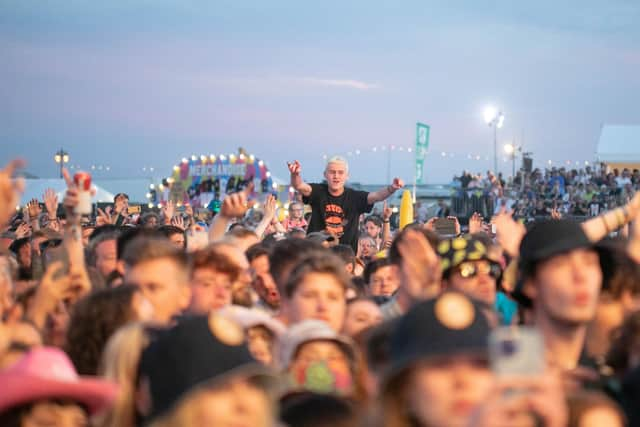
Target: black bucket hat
<point>543,241</point>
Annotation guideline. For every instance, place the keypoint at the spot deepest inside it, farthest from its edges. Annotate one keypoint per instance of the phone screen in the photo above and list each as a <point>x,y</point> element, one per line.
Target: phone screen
<point>445,226</point>
<point>516,351</point>
<point>134,209</point>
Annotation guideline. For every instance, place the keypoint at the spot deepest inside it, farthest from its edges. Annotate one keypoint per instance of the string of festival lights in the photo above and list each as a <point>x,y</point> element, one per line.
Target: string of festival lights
<point>385,149</point>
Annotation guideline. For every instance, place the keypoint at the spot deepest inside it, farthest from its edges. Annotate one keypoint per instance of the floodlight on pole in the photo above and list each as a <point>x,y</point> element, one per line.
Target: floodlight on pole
<point>494,118</point>
<point>490,114</point>
<point>61,157</point>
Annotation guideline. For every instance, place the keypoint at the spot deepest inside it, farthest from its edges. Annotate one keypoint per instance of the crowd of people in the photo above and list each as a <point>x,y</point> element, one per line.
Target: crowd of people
<point>333,319</point>
<point>570,192</point>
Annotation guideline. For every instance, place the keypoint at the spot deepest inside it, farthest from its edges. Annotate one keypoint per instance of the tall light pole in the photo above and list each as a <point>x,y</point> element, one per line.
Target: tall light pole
<point>61,158</point>
<point>494,118</point>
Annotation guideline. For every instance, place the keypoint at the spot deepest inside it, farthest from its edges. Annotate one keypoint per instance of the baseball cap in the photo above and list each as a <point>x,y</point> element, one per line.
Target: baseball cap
<point>199,350</point>
<point>449,324</point>
<point>320,236</point>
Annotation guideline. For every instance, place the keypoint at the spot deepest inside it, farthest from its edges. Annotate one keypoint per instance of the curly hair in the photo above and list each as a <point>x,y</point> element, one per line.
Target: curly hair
<point>215,259</point>
<point>93,320</point>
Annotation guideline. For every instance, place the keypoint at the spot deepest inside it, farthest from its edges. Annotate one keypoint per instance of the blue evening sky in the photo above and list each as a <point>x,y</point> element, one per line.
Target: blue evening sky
<point>136,84</point>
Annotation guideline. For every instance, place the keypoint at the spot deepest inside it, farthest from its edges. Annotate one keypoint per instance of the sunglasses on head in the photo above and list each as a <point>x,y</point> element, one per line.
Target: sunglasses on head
<point>472,269</point>
<point>51,243</point>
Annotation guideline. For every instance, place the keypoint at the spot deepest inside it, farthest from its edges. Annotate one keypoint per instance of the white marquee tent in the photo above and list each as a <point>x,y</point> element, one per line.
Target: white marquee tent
<point>35,188</point>
<point>619,146</point>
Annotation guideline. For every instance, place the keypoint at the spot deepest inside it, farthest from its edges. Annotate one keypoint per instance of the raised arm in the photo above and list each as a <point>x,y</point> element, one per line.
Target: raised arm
<point>269,214</point>
<point>233,206</point>
<point>10,190</point>
<point>386,192</point>
<point>296,180</point>
<point>598,227</point>
<point>386,225</point>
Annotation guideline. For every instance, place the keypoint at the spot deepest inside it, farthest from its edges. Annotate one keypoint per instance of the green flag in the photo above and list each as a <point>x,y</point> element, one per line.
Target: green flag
<point>422,145</point>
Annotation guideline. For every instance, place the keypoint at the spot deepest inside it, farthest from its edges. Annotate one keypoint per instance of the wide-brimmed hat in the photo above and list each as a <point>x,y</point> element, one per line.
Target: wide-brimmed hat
<point>307,331</point>
<point>250,317</point>
<point>47,373</point>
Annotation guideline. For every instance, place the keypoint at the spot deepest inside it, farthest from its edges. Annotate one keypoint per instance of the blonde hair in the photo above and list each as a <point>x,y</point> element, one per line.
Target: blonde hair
<point>186,413</point>
<point>337,159</point>
<point>120,364</point>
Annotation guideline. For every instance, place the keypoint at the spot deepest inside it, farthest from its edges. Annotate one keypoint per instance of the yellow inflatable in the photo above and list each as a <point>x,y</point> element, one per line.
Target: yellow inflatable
<point>406,209</point>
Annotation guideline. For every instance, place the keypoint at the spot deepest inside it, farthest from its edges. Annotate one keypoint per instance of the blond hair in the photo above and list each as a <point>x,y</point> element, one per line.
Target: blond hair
<point>188,410</point>
<point>120,364</point>
<point>186,413</point>
<point>337,159</point>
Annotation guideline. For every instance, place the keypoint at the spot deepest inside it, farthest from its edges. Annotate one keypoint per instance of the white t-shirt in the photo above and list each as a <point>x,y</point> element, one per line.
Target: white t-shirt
<point>622,181</point>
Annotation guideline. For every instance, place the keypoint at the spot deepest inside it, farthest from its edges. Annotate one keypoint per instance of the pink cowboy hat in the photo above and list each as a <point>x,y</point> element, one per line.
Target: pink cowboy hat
<point>47,372</point>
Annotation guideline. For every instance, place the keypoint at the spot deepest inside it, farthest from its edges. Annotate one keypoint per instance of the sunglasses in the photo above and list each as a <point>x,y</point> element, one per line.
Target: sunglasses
<point>51,243</point>
<point>470,269</point>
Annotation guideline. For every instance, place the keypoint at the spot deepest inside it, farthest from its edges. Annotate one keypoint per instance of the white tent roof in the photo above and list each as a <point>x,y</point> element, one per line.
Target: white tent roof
<point>34,189</point>
<point>135,188</point>
<point>619,144</point>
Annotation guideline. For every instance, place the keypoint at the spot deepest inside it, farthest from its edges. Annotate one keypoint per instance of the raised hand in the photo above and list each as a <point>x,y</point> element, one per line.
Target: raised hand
<point>420,267</point>
<point>509,232</point>
<point>397,184</point>
<point>23,230</point>
<point>457,224</point>
<point>34,209</point>
<point>168,210</point>
<point>294,168</point>
<point>387,212</point>
<point>53,288</point>
<point>104,217</point>
<point>475,223</point>
<point>555,214</point>
<point>270,207</point>
<point>10,190</point>
<point>541,398</point>
<point>178,221</point>
<point>234,205</point>
<point>70,201</point>
<point>51,202</point>
<point>429,225</point>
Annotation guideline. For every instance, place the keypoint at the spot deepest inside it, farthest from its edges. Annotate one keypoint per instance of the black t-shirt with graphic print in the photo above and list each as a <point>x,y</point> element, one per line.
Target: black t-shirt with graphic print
<point>337,215</point>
